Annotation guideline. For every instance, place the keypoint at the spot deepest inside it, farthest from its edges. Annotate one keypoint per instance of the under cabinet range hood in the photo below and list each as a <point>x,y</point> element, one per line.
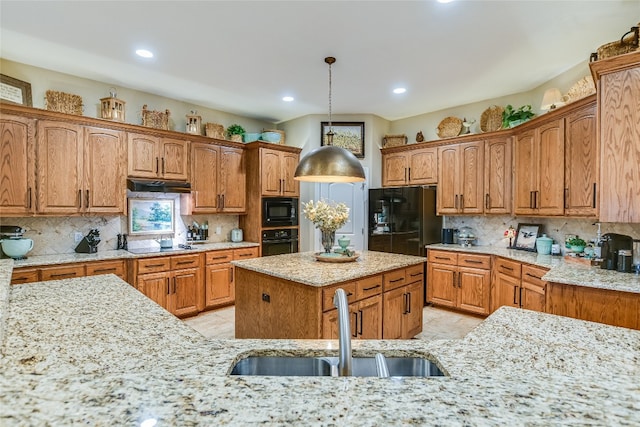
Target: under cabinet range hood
<point>158,186</point>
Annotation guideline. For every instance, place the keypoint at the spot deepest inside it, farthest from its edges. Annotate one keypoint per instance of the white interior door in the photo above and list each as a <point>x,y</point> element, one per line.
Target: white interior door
<point>351,194</point>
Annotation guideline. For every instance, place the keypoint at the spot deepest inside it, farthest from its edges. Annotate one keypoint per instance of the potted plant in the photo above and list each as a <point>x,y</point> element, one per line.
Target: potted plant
<point>235,132</point>
<point>577,244</point>
<point>512,118</point>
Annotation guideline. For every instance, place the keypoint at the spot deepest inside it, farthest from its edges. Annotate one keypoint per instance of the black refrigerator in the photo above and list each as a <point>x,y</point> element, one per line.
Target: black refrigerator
<point>403,220</point>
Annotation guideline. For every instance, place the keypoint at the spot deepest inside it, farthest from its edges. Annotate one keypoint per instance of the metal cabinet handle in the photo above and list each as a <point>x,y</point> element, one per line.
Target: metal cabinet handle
<point>168,287</point>
<point>455,283</point>
<point>80,198</point>
<point>594,195</point>
<point>455,203</point>
<point>515,289</point>
<point>104,270</point>
<point>371,288</point>
<point>184,262</point>
<point>29,196</point>
<point>408,302</point>
<point>157,166</point>
<point>486,201</point>
<point>462,202</point>
<point>87,199</point>
<point>396,280</point>
<point>531,199</point>
<point>163,166</point>
<point>354,334</point>
<point>472,261</point>
<point>409,174</point>
<point>566,198</point>
<point>222,201</point>
<point>520,298</point>
<point>535,199</point>
<point>534,276</point>
<point>155,265</point>
<point>64,274</point>
<point>506,268</point>
<point>360,329</point>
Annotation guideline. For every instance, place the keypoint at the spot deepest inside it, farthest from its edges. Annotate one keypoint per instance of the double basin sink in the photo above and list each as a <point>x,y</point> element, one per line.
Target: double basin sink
<point>328,366</point>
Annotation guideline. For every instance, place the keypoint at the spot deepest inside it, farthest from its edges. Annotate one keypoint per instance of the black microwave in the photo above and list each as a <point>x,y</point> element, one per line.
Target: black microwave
<point>279,212</point>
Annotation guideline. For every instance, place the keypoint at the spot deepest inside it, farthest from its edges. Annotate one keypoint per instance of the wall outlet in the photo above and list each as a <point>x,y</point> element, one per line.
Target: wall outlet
<point>77,236</point>
<point>218,230</point>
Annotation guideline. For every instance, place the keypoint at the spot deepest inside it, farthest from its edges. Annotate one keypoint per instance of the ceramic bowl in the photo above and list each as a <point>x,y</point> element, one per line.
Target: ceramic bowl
<point>577,249</point>
<point>250,137</point>
<point>270,136</point>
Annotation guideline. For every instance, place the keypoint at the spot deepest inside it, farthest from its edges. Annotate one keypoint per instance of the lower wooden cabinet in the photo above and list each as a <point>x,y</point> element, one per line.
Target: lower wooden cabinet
<point>366,320</point>
<point>518,285</point>
<point>68,271</point>
<point>402,309</point>
<point>24,275</point>
<point>219,275</point>
<point>459,280</point>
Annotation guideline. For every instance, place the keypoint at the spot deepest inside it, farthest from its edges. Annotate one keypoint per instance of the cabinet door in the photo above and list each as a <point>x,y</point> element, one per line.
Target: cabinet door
<point>497,176</point>
<point>393,312</point>
<point>369,318</point>
<point>441,286</point>
<point>619,117</point>
<point>448,173</point>
<point>104,159</point>
<point>173,163</point>
<point>474,289</point>
<point>17,160</point>
<point>290,187</point>
<point>471,178</point>
<point>526,172</point>
<point>143,156</point>
<point>423,166</point>
<point>232,184</point>
<point>270,170</point>
<point>506,291</point>
<point>156,286</point>
<point>532,297</point>
<point>60,177</point>
<point>549,200</point>
<point>412,319</point>
<point>581,168</point>
<point>205,159</point>
<point>394,172</point>
<point>330,323</point>
<point>184,298</point>
<point>219,289</point>
<point>116,267</point>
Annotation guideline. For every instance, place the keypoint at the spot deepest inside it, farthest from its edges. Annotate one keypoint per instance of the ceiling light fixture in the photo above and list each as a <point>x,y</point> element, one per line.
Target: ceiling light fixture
<point>144,53</point>
<point>399,90</point>
<point>329,163</point>
<point>287,98</point>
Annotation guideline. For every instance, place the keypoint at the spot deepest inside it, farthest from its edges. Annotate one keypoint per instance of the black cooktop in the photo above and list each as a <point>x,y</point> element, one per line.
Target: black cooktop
<point>156,250</point>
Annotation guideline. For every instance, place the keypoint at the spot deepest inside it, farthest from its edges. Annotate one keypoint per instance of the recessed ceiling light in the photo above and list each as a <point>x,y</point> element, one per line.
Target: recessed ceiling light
<point>399,90</point>
<point>144,53</point>
<point>287,98</point>
<point>445,1</point>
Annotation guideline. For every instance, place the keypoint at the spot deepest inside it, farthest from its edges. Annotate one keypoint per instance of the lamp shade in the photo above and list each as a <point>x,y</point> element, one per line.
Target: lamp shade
<point>552,98</point>
<point>329,164</point>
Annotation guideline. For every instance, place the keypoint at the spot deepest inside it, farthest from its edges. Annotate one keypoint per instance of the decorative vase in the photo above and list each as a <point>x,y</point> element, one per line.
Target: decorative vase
<point>328,238</point>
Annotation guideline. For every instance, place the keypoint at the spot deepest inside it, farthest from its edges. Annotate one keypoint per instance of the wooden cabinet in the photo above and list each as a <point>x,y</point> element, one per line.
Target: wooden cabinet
<point>24,275</point>
<point>413,167</point>
<point>17,167</point>
<point>154,157</point>
<point>497,175</point>
<point>618,84</point>
<point>218,180</point>
<point>402,304</point>
<point>277,171</point>
<point>116,267</point>
<point>219,275</point>
<point>459,280</point>
<point>518,285</point>
<point>539,170</point>
<point>596,305</point>
<point>69,271</point>
<point>460,178</point>
<point>80,169</point>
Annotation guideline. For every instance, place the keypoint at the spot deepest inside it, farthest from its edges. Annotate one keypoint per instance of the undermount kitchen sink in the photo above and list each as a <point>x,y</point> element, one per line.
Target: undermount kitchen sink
<point>328,366</point>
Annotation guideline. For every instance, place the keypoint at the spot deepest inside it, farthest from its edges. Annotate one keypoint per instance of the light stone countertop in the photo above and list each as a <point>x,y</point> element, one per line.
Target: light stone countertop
<point>95,351</point>
<point>304,268</point>
<point>559,270</point>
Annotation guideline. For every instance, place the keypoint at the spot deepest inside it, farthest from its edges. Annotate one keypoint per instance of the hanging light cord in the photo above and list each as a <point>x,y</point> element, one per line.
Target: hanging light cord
<point>330,60</point>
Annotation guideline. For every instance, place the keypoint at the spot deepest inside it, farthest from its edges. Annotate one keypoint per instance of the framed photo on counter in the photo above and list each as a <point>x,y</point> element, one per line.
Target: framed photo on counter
<point>526,237</point>
<point>151,216</point>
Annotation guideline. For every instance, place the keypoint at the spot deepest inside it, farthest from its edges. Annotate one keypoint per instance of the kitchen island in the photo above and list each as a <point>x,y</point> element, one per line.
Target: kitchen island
<point>291,296</point>
<point>95,351</point>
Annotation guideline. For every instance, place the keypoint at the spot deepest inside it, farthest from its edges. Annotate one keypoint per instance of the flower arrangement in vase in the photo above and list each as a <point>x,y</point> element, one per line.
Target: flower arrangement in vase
<point>326,217</point>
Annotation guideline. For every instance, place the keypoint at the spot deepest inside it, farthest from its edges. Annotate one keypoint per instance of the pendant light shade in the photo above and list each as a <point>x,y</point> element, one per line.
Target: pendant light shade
<point>329,163</point>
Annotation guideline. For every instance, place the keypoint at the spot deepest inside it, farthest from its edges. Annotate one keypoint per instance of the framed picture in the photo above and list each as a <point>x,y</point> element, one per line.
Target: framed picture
<point>349,135</point>
<point>526,237</point>
<point>151,216</point>
<point>15,91</point>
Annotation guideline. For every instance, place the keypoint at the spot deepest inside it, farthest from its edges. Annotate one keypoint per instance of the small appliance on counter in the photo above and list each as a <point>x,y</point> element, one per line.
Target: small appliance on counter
<point>13,244</point>
<point>165,242</point>
<point>612,243</point>
<point>466,236</point>
<point>447,235</point>
<point>89,243</point>
<point>236,235</point>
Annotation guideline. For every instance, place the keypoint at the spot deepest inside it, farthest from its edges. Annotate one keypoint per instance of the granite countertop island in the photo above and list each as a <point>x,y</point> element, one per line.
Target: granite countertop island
<point>95,351</point>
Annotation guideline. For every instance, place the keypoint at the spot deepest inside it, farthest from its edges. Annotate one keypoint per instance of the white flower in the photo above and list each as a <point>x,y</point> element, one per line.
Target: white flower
<point>326,216</point>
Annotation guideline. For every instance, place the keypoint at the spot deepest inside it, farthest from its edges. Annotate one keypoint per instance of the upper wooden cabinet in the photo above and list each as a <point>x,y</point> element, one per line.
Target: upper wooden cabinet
<point>460,178</point>
<point>277,170</point>
<point>218,180</point>
<point>154,157</point>
<point>497,176</point>
<point>618,82</point>
<point>413,167</point>
<point>17,165</point>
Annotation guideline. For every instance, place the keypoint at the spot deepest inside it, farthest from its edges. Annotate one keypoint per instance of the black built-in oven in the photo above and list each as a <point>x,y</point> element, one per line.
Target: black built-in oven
<point>279,212</point>
<point>277,242</point>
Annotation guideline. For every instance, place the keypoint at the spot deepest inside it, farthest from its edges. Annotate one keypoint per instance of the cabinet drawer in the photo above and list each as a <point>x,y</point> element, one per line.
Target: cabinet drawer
<point>106,267</point>
<point>245,253</point>
<point>415,273</point>
<point>219,257</point>
<point>185,261</point>
<point>443,257</point>
<point>508,267</point>
<point>533,275</point>
<point>27,275</point>
<point>57,273</point>
<point>474,261</point>
<point>328,293</point>
<point>153,265</point>
<point>394,279</point>
<point>368,287</point>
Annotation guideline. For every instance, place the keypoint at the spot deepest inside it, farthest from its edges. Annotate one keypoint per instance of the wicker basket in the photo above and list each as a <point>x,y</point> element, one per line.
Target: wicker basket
<point>155,119</point>
<point>214,130</point>
<point>449,127</point>
<point>63,102</point>
<point>491,119</point>
<point>629,42</point>
<point>394,140</point>
<point>281,132</point>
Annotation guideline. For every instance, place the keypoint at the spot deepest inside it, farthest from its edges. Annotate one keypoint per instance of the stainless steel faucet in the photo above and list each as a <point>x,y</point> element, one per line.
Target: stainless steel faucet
<point>344,333</point>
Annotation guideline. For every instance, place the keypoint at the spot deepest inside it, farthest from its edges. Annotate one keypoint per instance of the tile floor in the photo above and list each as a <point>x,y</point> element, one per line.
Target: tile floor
<point>436,324</point>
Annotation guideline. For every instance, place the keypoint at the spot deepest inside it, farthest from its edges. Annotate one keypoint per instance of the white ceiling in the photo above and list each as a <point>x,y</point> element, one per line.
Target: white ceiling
<point>244,56</point>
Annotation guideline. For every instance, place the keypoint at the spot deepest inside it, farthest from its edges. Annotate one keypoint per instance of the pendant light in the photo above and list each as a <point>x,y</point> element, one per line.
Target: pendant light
<point>329,163</point>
